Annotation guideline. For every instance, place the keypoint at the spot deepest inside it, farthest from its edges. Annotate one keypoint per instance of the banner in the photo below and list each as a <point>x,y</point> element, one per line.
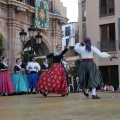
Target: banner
<point>42,14</point>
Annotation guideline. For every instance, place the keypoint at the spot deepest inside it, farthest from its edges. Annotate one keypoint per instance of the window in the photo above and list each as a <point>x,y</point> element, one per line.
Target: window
<point>31,2</point>
<point>67,31</point>
<point>51,7</point>
<point>84,11</point>
<point>106,8</point>
<point>108,42</point>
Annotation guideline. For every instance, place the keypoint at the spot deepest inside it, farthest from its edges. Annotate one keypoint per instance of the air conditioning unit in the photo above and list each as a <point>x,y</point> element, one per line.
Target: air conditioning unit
<point>21,9</point>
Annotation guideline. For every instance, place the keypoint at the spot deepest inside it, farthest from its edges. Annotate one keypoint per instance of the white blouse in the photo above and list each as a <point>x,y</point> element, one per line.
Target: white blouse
<point>33,64</point>
<point>88,55</point>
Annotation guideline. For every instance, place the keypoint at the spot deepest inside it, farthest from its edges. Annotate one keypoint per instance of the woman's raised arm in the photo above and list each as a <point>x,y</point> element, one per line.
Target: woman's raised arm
<point>69,42</point>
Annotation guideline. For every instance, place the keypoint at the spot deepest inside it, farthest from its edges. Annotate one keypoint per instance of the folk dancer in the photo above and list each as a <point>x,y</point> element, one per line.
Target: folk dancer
<point>45,65</point>
<point>6,85</point>
<point>64,64</point>
<point>54,80</point>
<point>24,72</point>
<point>18,78</point>
<point>33,67</point>
<point>89,75</point>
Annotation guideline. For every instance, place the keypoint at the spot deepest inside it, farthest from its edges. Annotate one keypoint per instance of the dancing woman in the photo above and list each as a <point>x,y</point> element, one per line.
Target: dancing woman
<point>19,79</point>
<point>64,64</point>
<point>89,75</point>
<point>54,80</point>
<point>24,72</point>
<point>6,85</point>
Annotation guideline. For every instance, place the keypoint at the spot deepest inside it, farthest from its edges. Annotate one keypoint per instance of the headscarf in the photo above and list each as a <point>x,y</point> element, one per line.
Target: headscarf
<point>88,44</point>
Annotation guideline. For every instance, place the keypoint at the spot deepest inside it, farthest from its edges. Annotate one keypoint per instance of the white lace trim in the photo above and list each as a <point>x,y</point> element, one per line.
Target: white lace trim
<point>56,53</point>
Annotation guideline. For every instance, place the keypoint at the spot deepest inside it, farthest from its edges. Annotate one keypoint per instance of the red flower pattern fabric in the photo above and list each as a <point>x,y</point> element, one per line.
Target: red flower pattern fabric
<point>53,80</point>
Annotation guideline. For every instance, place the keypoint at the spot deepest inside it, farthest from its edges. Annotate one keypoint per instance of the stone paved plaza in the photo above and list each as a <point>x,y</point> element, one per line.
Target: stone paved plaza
<point>73,107</point>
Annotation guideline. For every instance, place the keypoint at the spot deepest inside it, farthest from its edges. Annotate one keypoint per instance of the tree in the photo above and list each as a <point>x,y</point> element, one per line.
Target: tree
<point>76,67</point>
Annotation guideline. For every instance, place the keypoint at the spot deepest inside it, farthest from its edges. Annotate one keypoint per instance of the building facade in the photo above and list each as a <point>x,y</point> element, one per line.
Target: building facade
<point>16,15</point>
<point>103,27</point>
<point>70,29</point>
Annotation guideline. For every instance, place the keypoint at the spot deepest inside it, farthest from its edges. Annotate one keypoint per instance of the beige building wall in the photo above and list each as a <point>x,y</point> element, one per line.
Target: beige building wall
<point>63,10</point>
<point>93,31</point>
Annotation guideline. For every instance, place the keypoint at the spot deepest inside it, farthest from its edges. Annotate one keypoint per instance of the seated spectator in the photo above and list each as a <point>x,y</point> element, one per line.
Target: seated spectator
<point>105,88</point>
<point>109,87</point>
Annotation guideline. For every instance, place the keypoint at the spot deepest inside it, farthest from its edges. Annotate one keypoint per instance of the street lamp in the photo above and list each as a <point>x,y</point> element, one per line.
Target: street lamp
<point>38,38</point>
<point>23,36</point>
<point>31,31</point>
<point>31,35</point>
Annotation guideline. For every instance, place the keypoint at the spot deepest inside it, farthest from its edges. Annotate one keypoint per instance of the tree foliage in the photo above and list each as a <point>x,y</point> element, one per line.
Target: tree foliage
<point>76,67</point>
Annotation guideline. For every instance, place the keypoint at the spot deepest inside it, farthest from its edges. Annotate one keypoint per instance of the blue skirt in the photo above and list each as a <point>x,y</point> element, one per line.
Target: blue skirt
<point>19,82</point>
<point>32,80</point>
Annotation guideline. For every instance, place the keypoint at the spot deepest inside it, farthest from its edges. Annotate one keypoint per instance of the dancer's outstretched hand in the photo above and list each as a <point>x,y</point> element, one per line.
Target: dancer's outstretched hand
<point>69,42</point>
<point>82,43</point>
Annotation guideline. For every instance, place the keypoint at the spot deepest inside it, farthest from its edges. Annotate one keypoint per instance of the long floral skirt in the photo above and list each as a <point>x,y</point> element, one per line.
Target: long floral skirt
<point>53,80</point>
<point>6,85</point>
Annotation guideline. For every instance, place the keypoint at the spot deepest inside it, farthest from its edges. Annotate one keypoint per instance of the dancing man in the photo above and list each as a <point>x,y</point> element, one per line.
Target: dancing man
<point>89,75</point>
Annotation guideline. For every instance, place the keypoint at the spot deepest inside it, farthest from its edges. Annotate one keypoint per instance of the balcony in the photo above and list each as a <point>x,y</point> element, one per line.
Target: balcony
<point>32,3</point>
<point>28,2</point>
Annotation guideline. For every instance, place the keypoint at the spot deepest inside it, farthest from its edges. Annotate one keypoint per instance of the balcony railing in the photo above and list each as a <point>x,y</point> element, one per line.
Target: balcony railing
<point>28,2</point>
<point>108,46</point>
<point>32,3</point>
